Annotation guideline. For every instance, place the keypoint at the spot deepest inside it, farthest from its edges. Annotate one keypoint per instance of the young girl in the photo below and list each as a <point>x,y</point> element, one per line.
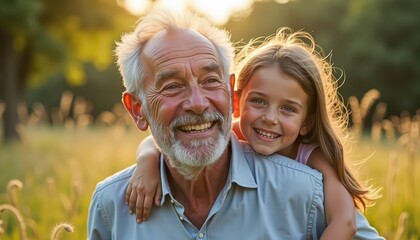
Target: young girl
<point>287,101</point>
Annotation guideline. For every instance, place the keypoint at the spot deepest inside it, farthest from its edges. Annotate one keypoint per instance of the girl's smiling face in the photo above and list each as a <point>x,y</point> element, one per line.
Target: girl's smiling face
<point>273,108</point>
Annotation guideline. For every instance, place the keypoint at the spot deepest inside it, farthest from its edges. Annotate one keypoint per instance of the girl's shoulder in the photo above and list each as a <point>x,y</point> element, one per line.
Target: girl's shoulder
<point>304,152</point>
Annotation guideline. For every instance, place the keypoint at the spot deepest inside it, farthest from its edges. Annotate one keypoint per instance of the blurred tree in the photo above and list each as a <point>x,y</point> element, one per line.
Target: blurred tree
<point>87,31</point>
<point>18,22</point>
<point>42,37</point>
<point>382,51</point>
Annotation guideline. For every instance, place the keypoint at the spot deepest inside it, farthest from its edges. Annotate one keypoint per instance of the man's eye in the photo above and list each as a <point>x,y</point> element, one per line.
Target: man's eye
<point>171,86</point>
<point>212,81</point>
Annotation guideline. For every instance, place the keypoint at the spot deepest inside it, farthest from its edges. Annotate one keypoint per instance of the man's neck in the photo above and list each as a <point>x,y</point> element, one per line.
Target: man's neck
<point>198,195</point>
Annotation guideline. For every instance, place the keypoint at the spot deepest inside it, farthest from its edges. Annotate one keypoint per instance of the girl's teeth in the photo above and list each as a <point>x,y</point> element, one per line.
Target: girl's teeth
<point>267,134</point>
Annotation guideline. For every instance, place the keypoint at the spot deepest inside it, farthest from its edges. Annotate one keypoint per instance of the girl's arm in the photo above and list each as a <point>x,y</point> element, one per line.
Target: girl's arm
<point>339,205</point>
<point>144,186</point>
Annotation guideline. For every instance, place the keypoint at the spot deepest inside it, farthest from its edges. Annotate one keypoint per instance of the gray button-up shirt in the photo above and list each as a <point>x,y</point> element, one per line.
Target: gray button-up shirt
<point>265,197</point>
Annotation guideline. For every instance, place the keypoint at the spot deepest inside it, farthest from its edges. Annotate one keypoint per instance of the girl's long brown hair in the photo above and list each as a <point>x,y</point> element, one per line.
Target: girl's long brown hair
<point>297,56</point>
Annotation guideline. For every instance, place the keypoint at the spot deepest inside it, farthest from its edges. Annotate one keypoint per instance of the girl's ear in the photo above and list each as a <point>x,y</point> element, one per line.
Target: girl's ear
<point>134,107</point>
<point>307,125</point>
<point>235,97</point>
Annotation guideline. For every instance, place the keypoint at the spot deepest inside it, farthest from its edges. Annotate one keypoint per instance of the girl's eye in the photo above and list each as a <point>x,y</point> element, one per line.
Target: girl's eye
<point>258,101</point>
<point>288,109</point>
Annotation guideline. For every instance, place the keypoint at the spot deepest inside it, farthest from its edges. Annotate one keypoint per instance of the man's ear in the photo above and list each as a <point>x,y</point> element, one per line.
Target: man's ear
<point>235,99</point>
<point>307,125</point>
<point>134,107</point>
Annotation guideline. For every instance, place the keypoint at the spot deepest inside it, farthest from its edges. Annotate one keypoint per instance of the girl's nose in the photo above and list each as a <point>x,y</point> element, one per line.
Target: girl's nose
<point>270,116</point>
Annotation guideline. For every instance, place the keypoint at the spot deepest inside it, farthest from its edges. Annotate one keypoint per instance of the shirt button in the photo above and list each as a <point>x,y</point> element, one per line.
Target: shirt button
<point>181,218</point>
<point>200,235</point>
<point>172,202</point>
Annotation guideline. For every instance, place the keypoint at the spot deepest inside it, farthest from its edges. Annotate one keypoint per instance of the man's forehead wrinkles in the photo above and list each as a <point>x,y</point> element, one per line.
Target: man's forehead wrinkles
<point>202,49</point>
<point>169,73</point>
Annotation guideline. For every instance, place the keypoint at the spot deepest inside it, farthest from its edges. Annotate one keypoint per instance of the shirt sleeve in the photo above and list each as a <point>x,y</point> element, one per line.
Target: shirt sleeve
<point>364,230</point>
<point>98,226</point>
<point>317,219</point>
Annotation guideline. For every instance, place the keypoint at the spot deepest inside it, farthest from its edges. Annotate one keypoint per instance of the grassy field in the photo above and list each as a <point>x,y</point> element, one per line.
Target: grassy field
<point>58,169</point>
<point>48,178</point>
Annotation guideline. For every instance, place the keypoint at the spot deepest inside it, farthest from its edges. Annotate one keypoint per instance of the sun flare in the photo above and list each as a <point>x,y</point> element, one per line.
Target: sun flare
<point>218,11</point>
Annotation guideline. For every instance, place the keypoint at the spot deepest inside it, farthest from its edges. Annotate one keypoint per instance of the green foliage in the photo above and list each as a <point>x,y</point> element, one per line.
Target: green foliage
<point>42,38</point>
<point>19,15</point>
<point>86,36</point>
<point>64,35</point>
<point>382,50</point>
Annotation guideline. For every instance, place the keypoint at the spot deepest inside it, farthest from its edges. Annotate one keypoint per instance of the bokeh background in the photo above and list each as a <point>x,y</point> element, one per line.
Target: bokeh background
<point>63,127</point>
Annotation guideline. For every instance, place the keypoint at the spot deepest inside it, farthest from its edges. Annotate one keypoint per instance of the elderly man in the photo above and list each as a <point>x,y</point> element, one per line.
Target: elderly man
<point>176,72</point>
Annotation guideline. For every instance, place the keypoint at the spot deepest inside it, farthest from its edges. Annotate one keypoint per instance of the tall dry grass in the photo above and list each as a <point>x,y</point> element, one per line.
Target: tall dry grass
<point>400,135</point>
<point>23,223</point>
<point>61,156</point>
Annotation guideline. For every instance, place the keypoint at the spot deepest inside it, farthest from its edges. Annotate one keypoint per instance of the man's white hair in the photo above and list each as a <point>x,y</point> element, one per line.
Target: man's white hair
<point>129,50</point>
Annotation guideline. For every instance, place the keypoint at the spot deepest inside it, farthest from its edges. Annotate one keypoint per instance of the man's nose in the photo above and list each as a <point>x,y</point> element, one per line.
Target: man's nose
<point>196,101</point>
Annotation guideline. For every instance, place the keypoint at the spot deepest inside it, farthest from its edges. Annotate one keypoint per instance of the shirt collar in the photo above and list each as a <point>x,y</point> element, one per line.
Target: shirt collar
<point>239,173</point>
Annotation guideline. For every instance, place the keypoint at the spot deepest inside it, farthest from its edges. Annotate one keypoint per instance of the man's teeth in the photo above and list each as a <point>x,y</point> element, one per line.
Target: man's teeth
<point>267,134</point>
<point>199,127</point>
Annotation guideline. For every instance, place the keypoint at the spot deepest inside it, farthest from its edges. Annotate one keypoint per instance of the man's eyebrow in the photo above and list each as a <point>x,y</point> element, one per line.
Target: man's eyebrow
<point>165,74</point>
<point>211,67</point>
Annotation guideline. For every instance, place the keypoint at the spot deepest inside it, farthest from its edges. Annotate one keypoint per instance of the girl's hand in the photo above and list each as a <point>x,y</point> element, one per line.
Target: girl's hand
<point>144,187</point>
<point>140,196</point>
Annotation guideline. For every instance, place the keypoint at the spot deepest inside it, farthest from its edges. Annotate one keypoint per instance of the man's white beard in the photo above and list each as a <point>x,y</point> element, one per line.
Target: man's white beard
<point>184,158</point>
